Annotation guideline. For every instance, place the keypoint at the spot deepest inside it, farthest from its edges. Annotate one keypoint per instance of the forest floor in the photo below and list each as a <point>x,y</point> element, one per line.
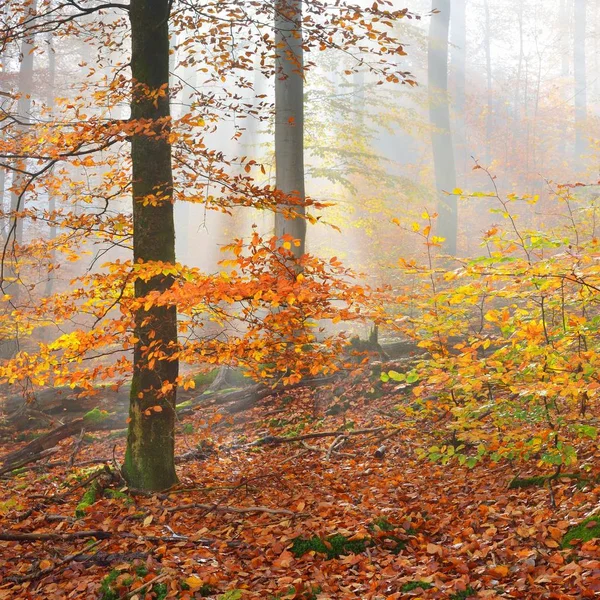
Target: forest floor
<point>329,517</point>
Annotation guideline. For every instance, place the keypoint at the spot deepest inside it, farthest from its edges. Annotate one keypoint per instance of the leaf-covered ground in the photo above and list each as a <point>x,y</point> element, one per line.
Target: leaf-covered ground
<point>370,526</point>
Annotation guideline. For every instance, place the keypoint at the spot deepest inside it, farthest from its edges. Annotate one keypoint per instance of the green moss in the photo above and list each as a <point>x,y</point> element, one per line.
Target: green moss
<point>160,590</point>
<point>141,570</point>
<point>118,495</point>
<point>119,433</point>
<point>414,585</point>
<point>187,429</point>
<point>106,587</point>
<point>89,497</point>
<point>464,594</point>
<point>388,529</point>
<point>587,530</point>
<point>95,416</point>
<point>205,590</point>
<point>333,547</point>
<point>183,405</point>
<point>383,524</point>
<point>205,378</point>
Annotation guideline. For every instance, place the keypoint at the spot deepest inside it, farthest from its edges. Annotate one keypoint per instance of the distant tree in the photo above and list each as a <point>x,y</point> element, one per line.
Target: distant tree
<point>289,120</point>
<point>579,31</point>
<point>439,114</point>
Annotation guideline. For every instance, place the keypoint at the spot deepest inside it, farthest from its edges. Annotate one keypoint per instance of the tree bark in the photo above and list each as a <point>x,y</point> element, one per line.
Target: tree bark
<point>50,103</point>
<point>439,114</point>
<point>489,118</point>
<point>289,118</point>
<point>24,112</point>
<point>458,29</point>
<point>149,459</point>
<point>579,31</point>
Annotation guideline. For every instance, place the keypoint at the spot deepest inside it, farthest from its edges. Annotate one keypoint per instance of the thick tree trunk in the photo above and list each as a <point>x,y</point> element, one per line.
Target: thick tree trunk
<point>149,460</point>
<point>579,31</point>
<point>289,117</point>
<point>439,114</point>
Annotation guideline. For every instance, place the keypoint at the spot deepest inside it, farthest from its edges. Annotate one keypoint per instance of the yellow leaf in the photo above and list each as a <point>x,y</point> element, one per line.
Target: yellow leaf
<point>194,582</point>
<point>148,520</point>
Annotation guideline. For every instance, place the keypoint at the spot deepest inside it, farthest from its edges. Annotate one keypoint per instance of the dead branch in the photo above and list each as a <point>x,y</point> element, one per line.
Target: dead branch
<point>15,536</point>
<point>27,460</point>
<point>234,509</point>
<point>273,440</point>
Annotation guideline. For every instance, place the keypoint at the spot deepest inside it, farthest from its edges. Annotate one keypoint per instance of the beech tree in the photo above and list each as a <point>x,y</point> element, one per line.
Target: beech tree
<point>289,120</point>
<point>439,114</point>
<point>151,306</point>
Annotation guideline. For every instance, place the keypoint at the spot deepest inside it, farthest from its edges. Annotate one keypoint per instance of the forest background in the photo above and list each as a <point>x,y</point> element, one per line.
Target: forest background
<point>303,175</point>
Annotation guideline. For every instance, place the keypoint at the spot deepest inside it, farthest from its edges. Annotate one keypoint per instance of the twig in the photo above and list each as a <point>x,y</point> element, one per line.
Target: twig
<point>148,583</point>
<point>338,440</point>
<point>76,448</point>
<point>336,452</point>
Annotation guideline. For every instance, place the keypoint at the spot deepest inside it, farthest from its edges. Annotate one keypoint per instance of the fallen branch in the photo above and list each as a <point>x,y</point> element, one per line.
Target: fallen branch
<point>335,452</point>
<point>273,439</point>
<point>15,536</point>
<point>234,509</point>
<point>28,460</point>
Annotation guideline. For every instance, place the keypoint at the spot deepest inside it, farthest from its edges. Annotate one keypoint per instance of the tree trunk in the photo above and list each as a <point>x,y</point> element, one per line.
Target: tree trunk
<point>489,119</point>
<point>289,118</point>
<point>24,112</point>
<point>50,103</point>
<point>149,459</point>
<point>458,57</point>
<point>579,31</point>
<point>439,114</point>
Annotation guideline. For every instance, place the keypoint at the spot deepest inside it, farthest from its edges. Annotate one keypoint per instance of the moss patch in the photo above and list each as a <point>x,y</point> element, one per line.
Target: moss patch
<point>107,591</point>
<point>90,496</point>
<point>587,530</point>
<point>95,416</point>
<point>333,547</point>
<point>414,585</point>
<point>389,532</point>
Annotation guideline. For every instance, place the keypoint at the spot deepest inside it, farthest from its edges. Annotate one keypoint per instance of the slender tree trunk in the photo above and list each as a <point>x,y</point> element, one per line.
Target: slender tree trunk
<point>149,459</point>
<point>564,72</point>
<point>489,119</point>
<point>579,32</point>
<point>50,103</point>
<point>182,208</point>
<point>458,61</point>
<point>24,112</point>
<point>289,118</point>
<point>516,133</point>
<point>439,114</point>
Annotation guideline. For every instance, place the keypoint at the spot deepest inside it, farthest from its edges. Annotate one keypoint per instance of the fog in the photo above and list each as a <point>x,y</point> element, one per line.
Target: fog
<point>520,88</point>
